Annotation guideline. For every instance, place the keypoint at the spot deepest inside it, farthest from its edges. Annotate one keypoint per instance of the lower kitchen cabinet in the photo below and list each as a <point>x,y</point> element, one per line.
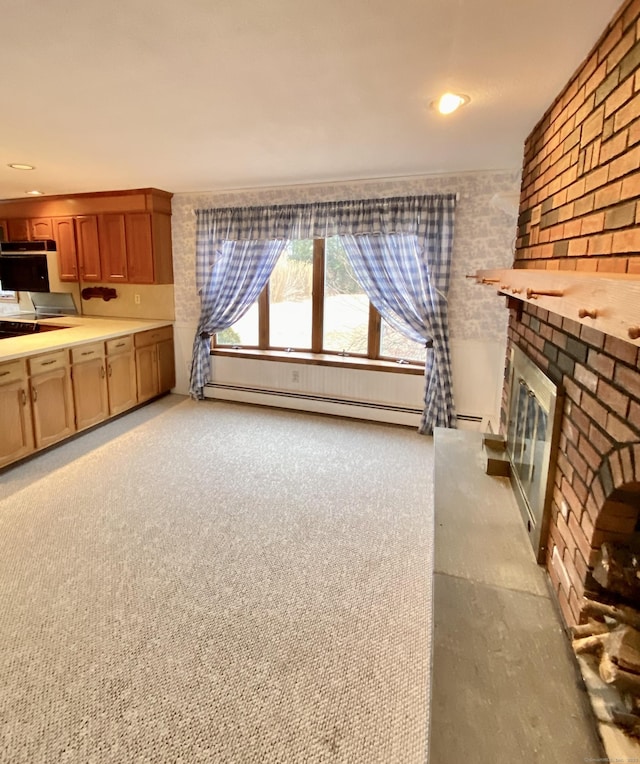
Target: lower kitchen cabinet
<point>155,362</point>
<point>46,398</point>
<point>16,423</point>
<point>121,374</point>
<point>51,398</point>
<point>89,379</point>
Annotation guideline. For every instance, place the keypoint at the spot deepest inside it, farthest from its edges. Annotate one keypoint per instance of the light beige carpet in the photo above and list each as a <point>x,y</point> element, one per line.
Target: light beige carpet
<point>212,582</point>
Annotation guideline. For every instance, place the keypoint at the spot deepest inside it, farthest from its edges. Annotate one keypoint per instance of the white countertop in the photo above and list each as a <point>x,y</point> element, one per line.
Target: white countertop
<point>77,330</point>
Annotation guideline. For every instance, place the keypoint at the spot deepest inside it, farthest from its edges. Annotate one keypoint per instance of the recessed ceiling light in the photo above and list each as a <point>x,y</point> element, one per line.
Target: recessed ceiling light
<point>449,102</point>
<point>18,166</point>
<point>35,192</point>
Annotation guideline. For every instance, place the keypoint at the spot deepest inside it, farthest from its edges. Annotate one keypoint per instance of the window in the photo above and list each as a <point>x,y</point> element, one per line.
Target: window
<point>313,303</point>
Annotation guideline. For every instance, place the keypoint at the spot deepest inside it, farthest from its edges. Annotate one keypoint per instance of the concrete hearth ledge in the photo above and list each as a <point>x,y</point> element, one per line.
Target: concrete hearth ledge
<point>506,685</point>
<point>77,330</point>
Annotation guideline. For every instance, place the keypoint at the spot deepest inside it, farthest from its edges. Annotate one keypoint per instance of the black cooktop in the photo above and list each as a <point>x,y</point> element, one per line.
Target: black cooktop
<point>17,328</point>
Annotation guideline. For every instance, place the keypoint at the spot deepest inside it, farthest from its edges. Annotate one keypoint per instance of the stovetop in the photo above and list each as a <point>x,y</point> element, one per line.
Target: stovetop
<point>17,328</point>
<point>26,325</point>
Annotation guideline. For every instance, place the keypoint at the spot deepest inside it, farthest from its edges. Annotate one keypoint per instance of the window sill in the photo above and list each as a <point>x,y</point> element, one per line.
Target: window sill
<point>322,359</point>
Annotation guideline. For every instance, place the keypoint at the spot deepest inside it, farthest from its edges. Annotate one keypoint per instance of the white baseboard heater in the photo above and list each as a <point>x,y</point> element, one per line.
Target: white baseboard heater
<point>324,404</point>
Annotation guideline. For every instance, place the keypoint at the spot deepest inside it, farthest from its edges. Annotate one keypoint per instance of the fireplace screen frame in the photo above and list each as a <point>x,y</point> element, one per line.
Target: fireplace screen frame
<point>533,428</point>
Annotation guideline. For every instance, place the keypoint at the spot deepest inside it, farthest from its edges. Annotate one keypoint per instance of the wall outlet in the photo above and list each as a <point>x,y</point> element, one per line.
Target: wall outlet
<point>295,376</point>
<point>136,299</point>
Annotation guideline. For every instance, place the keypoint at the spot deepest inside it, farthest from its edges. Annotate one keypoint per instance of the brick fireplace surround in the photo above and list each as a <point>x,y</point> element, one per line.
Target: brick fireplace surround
<point>580,211</point>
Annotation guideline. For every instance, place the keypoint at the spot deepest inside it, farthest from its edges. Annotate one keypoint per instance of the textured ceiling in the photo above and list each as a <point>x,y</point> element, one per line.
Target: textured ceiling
<point>197,95</point>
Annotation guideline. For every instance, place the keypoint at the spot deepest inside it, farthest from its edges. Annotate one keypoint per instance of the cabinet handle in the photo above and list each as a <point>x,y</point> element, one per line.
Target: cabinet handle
<point>24,397</point>
<point>121,344</point>
<point>88,352</point>
<point>4,373</point>
<point>48,363</point>
<point>35,394</point>
<point>110,369</point>
<point>102,372</point>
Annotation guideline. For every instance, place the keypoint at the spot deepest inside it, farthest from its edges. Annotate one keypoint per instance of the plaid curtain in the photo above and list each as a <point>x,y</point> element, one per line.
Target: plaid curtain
<point>240,273</point>
<point>420,225</point>
<point>406,277</point>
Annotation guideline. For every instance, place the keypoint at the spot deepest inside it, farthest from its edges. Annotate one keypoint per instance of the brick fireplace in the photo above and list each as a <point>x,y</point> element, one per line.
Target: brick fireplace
<point>580,211</point>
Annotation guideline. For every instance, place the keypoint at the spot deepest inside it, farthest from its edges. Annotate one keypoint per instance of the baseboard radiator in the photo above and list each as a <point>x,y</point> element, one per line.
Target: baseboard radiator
<point>322,404</point>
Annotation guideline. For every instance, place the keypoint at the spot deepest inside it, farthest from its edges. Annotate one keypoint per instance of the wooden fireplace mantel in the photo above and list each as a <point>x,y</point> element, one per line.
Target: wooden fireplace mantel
<point>609,302</point>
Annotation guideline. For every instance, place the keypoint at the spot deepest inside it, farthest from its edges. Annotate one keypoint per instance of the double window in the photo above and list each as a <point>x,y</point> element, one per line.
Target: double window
<point>313,303</point>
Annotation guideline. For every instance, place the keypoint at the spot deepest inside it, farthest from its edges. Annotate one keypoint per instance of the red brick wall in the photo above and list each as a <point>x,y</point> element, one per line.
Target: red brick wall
<point>579,210</point>
<point>599,445</point>
<point>581,176</point>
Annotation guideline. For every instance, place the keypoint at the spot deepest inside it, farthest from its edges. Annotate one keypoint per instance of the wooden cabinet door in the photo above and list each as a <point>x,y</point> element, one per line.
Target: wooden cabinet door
<point>52,400</point>
<point>147,372</point>
<point>113,247</point>
<point>40,228</point>
<point>4,230</point>
<point>90,392</point>
<point>18,229</point>
<point>15,421</point>
<point>166,366</point>
<point>65,238</point>
<point>139,247</point>
<point>88,247</point>
<point>121,378</point>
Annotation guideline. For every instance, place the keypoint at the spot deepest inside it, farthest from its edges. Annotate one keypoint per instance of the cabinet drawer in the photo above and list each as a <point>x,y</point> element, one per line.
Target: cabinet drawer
<point>153,335</point>
<point>87,352</point>
<point>42,363</point>
<point>120,345</point>
<point>13,371</point>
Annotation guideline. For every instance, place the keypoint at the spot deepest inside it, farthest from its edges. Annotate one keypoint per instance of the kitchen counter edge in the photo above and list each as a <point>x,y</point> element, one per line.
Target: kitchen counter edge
<point>77,330</point>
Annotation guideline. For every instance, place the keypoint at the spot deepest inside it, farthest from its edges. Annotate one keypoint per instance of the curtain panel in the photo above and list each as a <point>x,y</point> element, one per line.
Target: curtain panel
<point>421,225</point>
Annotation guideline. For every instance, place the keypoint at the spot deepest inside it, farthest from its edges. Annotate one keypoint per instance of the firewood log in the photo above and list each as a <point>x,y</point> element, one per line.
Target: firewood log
<point>630,722</point>
<point>617,569</point>
<point>623,680</point>
<point>622,614</point>
<point>623,645</point>
<point>592,644</point>
<point>589,629</point>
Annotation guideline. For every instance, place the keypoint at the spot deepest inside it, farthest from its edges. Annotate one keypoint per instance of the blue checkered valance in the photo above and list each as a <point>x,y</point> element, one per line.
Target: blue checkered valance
<point>319,220</point>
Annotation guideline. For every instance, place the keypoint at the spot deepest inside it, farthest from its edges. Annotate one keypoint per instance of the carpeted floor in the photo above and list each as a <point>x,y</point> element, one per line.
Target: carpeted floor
<point>211,582</point>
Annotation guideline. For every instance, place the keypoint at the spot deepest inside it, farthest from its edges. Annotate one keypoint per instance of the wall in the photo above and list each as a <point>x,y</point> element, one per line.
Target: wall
<point>484,236</point>
<point>579,210</point>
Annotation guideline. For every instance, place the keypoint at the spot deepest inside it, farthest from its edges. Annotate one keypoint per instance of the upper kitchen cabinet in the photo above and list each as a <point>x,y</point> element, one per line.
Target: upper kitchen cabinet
<point>63,233</point>
<point>140,243</point>
<point>18,229</point>
<point>40,228</point>
<point>119,236</point>
<point>88,248</point>
<point>113,247</point>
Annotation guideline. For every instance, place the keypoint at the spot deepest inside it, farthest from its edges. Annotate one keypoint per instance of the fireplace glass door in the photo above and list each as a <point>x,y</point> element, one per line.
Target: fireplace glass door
<point>534,403</point>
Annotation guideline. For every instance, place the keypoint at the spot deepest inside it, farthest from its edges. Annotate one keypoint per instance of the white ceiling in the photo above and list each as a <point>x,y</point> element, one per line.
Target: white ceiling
<point>195,95</point>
